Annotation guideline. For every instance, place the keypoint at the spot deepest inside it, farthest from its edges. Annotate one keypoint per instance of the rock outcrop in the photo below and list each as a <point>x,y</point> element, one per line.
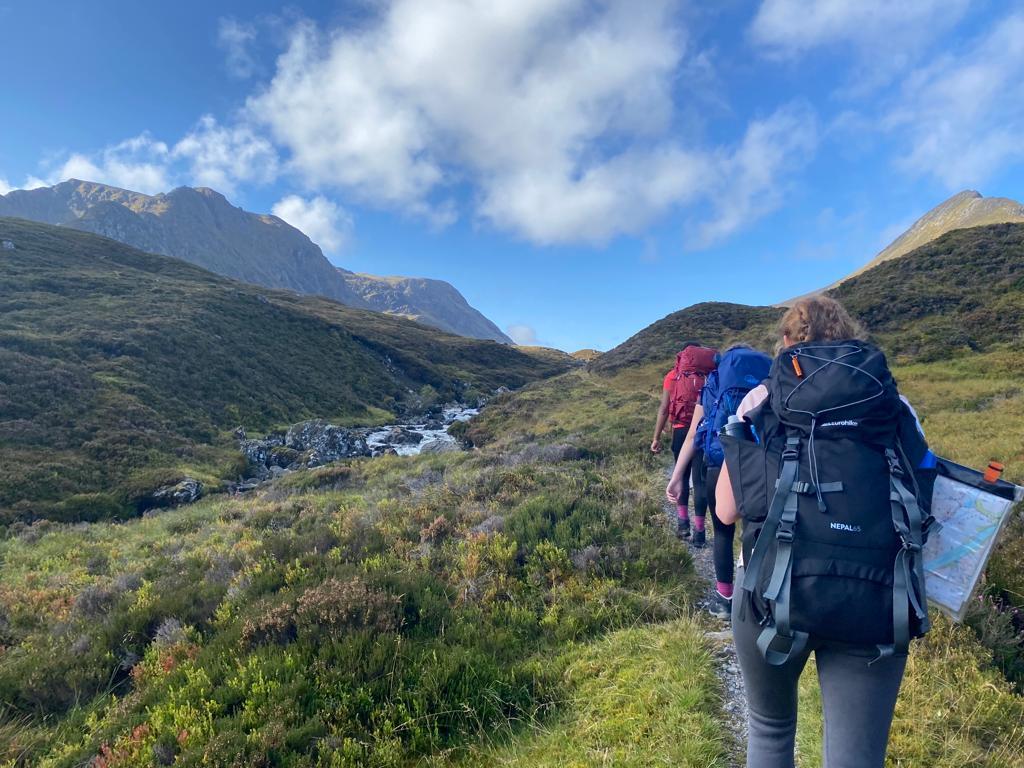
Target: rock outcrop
<point>185,491</point>
<point>318,442</point>
<point>431,302</point>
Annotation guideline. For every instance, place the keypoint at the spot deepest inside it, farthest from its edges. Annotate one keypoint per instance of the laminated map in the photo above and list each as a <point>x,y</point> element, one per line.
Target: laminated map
<point>972,512</point>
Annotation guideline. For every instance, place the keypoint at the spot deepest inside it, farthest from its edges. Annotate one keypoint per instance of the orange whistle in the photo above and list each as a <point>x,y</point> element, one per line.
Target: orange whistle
<point>993,471</point>
<point>797,368</point>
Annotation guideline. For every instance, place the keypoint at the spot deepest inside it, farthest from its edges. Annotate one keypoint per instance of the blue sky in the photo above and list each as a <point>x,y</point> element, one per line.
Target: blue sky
<point>577,168</point>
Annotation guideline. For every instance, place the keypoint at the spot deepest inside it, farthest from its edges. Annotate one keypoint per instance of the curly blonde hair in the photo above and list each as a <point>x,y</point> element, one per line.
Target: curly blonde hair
<point>818,318</point>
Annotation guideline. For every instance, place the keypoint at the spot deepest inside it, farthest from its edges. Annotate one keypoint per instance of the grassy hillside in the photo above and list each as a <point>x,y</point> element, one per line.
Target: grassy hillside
<point>555,357</point>
<point>519,605</point>
<point>963,292</point>
<point>714,324</point>
<point>964,209</point>
<point>372,613</point>
<point>120,369</point>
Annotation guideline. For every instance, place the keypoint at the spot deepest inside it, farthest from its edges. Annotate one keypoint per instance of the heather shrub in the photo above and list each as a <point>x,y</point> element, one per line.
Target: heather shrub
<point>336,605</point>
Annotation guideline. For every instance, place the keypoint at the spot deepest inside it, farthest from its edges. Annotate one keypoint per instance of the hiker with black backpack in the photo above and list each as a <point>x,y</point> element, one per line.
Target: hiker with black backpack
<point>681,390</point>
<point>738,371</point>
<point>828,468</point>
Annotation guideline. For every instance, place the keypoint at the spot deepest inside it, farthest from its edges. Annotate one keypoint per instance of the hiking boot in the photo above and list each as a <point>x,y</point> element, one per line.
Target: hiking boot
<point>721,606</point>
<point>699,540</point>
<point>683,527</point>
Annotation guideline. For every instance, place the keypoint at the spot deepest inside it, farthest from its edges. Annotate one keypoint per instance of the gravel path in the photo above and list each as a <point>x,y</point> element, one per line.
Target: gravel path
<point>719,634</point>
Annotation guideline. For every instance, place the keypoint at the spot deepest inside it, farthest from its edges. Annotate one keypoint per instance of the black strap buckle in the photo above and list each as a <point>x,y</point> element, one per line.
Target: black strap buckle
<point>911,546</point>
<point>894,464</point>
<point>785,533</point>
<point>930,525</point>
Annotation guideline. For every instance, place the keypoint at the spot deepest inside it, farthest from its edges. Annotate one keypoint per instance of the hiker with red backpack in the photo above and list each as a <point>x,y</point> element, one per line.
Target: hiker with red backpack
<point>829,470</point>
<point>681,390</point>
<point>738,371</point>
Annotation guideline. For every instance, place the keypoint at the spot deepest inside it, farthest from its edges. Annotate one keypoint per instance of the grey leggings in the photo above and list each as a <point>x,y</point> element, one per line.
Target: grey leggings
<point>858,699</point>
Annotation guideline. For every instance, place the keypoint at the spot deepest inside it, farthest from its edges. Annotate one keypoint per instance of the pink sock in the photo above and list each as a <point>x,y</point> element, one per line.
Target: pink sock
<point>698,522</point>
<point>725,590</point>
<point>683,512</point>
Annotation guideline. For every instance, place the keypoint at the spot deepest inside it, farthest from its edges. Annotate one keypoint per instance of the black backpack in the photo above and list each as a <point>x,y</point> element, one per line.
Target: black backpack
<point>835,504</point>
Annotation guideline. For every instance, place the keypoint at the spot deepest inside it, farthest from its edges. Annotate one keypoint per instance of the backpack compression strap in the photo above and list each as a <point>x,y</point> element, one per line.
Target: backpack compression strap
<point>906,519</point>
<point>780,523</point>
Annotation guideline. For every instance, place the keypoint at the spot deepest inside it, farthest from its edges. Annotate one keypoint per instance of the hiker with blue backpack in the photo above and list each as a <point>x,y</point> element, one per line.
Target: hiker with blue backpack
<point>829,470</point>
<point>739,370</point>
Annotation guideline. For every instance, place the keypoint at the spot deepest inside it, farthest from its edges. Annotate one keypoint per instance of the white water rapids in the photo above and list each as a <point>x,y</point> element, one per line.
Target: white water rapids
<point>380,439</point>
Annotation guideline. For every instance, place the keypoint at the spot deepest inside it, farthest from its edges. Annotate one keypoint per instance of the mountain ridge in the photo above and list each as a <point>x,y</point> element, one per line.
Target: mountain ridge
<point>978,303</point>
<point>967,208</point>
<point>201,226</point>
<point>436,303</point>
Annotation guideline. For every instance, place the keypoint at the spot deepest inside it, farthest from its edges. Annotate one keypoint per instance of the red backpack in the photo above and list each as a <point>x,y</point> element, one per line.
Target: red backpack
<point>693,364</point>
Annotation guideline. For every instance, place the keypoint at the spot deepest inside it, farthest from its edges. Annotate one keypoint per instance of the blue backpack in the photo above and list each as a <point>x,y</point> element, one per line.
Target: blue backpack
<point>739,370</point>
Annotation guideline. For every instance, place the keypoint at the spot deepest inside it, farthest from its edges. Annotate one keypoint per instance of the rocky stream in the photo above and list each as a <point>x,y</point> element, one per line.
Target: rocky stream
<point>317,442</point>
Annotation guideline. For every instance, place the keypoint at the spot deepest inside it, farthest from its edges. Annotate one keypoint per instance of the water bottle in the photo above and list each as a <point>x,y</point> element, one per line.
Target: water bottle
<point>738,428</point>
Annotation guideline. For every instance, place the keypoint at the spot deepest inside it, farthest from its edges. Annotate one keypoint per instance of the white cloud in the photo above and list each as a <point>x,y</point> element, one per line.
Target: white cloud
<point>236,38</point>
<point>791,27</point>
<point>4,186</point>
<point>216,156</point>
<point>962,116</point>
<point>139,164</point>
<point>522,334</point>
<point>322,220</point>
<point>751,178</point>
<point>221,156</point>
<point>621,195</point>
<point>560,115</point>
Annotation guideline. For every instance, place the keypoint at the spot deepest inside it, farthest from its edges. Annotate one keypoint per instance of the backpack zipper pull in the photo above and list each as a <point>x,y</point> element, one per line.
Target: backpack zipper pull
<point>796,367</point>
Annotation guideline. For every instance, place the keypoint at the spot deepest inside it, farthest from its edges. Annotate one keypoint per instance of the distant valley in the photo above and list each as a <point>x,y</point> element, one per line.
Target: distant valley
<point>201,226</point>
<point>121,371</point>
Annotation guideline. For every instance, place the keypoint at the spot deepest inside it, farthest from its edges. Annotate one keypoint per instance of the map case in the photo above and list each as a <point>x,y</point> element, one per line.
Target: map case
<point>972,513</point>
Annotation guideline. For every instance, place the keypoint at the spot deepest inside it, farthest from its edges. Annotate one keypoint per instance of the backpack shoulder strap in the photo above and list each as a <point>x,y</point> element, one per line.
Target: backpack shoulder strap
<point>779,524</point>
<point>908,584</point>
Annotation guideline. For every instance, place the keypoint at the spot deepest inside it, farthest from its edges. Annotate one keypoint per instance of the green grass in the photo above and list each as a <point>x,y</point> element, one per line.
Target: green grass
<point>347,616</point>
<point>972,406</point>
<point>605,415</point>
<point>954,710</point>
<point>638,697</point>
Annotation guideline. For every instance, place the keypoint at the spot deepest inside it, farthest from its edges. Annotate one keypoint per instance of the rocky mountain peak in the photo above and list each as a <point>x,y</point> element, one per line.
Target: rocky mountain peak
<point>200,225</point>
<point>968,208</point>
